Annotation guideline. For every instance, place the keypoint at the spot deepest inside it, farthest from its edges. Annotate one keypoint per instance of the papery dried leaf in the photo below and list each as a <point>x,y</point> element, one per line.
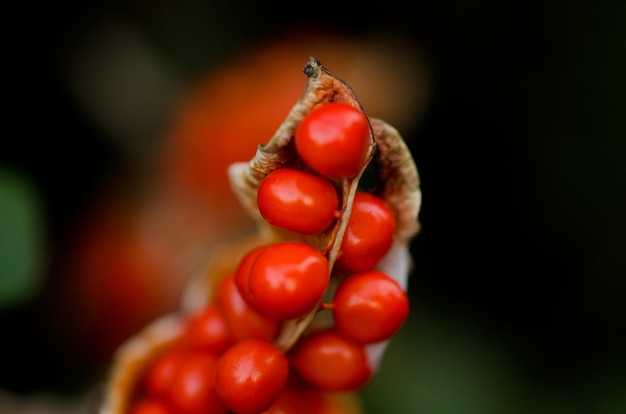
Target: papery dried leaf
<point>398,177</point>
<point>399,186</point>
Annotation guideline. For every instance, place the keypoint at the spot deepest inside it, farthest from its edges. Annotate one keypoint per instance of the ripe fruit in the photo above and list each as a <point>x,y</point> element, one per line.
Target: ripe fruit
<point>251,375</point>
<point>288,279</point>
<point>243,320</point>
<point>330,362</point>
<point>158,375</point>
<point>334,140</point>
<point>149,406</point>
<point>192,390</point>
<point>369,307</point>
<point>283,283</point>
<point>242,274</point>
<point>290,401</point>
<point>369,233</point>
<point>297,201</point>
<point>209,331</point>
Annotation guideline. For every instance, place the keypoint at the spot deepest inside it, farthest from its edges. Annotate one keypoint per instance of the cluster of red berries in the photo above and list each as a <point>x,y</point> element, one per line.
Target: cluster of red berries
<point>228,359</point>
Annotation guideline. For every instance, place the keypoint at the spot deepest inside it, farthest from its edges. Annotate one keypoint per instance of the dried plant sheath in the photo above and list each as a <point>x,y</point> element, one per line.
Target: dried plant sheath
<point>323,87</point>
<point>396,174</point>
<point>396,181</point>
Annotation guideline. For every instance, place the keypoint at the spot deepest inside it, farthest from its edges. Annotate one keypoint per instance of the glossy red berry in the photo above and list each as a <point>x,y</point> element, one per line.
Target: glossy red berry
<point>251,375</point>
<point>288,279</point>
<point>369,234</point>
<point>158,375</point>
<point>330,362</point>
<point>297,201</point>
<point>150,406</point>
<point>369,307</point>
<point>243,320</point>
<point>334,140</point>
<point>192,390</point>
<point>242,274</point>
<point>208,331</point>
<point>290,401</point>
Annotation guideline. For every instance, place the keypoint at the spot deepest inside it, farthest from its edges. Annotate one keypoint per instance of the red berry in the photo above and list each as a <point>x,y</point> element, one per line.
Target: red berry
<point>369,307</point>
<point>290,401</point>
<point>192,389</point>
<point>297,201</point>
<point>334,140</point>
<point>287,280</point>
<point>244,321</point>
<point>209,331</point>
<point>251,375</point>
<point>242,274</point>
<point>160,371</point>
<point>369,234</point>
<point>330,362</point>
<point>150,406</point>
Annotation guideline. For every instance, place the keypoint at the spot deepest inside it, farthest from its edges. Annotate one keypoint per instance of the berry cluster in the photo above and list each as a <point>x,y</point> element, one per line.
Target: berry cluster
<point>232,356</point>
<point>295,318</point>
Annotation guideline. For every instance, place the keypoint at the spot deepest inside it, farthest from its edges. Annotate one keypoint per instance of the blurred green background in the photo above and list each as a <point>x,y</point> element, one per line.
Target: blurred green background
<point>519,287</point>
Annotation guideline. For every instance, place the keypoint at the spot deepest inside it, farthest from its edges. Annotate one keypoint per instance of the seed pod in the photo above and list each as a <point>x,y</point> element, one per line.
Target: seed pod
<point>396,181</point>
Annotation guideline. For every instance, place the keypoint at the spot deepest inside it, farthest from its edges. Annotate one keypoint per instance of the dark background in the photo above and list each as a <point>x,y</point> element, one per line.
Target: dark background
<point>520,279</point>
